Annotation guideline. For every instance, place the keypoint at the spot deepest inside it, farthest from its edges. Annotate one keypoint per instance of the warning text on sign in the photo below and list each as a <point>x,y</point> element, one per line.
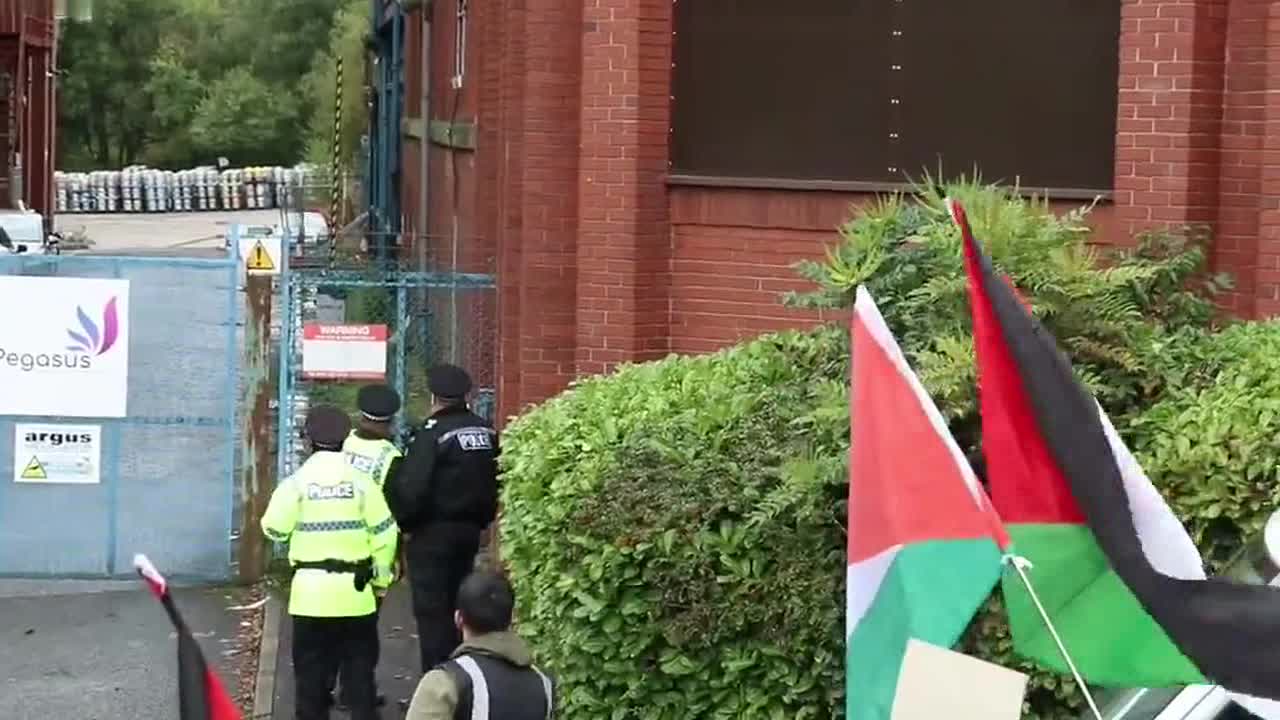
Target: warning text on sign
<point>344,352</point>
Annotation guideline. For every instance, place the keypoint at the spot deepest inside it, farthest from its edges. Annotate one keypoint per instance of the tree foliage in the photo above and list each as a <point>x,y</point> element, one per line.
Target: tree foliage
<point>240,117</point>
<point>346,40</point>
<point>177,83</point>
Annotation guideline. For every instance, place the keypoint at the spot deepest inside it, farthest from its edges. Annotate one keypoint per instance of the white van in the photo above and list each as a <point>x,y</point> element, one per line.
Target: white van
<point>1258,564</point>
<point>24,230</point>
<point>311,227</point>
<point>1194,702</point>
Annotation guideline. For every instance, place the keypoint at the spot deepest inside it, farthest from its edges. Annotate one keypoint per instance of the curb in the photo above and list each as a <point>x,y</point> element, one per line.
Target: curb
<point>264,690</point>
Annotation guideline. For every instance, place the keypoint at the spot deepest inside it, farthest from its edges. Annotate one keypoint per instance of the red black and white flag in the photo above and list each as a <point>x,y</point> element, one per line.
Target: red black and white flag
<point>1113,567</point>
<point>200,692</point>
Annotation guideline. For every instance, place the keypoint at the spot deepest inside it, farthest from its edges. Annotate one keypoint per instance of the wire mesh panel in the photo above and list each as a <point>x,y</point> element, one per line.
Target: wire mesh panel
<point>166,471</point>
<point>432,312</point>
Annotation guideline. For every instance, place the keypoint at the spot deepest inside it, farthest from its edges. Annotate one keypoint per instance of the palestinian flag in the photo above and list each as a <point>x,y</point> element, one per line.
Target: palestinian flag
<point>200,692</point>
<point>1118,574</point>
<point>924,541</point>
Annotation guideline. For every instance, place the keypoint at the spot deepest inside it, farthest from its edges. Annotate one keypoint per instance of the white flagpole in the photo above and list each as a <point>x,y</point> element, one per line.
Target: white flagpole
<point>1020,564</point>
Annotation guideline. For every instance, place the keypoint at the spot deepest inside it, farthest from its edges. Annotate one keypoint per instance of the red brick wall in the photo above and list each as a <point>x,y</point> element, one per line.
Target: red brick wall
<point>535,150</point>
<point>623,236</point>
<point>1252,127</point>
<point>600,262</point>
<point>733,256</point>
<point>1199,131</point>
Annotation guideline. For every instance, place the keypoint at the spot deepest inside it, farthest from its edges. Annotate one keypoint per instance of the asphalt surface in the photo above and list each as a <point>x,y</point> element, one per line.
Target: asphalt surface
<point>398,666</point>
<point>99,651</point>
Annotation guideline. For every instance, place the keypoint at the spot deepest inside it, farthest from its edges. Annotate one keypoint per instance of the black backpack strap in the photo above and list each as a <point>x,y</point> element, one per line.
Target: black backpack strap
<point>474,700</point>
<point>461,680</point>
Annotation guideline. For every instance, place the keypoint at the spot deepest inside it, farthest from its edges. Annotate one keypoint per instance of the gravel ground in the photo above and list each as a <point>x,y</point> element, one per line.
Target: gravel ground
<point>241,659</point>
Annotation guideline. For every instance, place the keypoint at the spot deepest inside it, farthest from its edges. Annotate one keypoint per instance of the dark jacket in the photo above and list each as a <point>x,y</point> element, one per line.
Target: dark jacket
<point>515,690</point>
<point>449,474</point>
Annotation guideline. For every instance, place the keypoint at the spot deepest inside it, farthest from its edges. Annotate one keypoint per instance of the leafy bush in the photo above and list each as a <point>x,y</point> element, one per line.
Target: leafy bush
<point>670,561</point>
<point>1210,444</point>
<point>675,530</point>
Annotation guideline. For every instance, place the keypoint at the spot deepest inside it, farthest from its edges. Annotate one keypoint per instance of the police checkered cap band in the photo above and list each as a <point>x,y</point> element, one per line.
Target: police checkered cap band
<point>375,418</point>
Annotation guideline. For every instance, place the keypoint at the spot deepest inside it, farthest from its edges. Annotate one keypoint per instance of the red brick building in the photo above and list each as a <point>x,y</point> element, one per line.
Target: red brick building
<point>28,44</point>
<point>643,173</point>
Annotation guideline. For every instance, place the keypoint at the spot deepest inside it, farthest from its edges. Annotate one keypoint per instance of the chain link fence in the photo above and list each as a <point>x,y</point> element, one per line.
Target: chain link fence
<point>434,295</point>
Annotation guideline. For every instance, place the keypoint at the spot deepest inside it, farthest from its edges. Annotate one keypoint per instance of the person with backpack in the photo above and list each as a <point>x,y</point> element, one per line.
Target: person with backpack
<point>491,675</point>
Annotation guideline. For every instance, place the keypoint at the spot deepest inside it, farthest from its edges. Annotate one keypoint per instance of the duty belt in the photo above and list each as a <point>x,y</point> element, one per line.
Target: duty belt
<point>363,569</point>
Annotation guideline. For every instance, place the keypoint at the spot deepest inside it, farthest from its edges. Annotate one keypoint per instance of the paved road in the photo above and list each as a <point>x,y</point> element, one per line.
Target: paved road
<point>100,651</point>
<point>119,232</point>
<point>397,668</point>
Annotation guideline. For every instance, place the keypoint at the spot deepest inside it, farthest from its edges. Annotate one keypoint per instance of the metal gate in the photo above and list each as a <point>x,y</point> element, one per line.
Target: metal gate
<point>430,316</point>
<point>164,482</point>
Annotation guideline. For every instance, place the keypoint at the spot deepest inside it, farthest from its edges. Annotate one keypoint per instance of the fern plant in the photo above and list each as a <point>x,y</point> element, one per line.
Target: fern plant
<point>1106,306</point>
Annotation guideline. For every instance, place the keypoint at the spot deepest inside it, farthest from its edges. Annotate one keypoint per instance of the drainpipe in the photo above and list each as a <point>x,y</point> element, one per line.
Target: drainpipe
<point>424,142</point>
<point>16,184</point>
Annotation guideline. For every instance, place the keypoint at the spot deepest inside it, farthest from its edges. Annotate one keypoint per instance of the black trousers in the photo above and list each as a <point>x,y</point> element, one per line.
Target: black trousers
<point>440,557</point>
<point>341,673</point>
<point>320,647</point>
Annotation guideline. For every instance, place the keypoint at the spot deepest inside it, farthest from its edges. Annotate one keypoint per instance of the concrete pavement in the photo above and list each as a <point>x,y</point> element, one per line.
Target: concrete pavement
<point>398,666</point>
<point>103,651</point>
<point>115,232</point>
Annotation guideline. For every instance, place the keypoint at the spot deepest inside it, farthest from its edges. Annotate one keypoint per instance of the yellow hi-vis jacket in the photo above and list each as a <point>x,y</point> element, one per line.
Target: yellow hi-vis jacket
<point>327,510</point>
<point>372,457</point>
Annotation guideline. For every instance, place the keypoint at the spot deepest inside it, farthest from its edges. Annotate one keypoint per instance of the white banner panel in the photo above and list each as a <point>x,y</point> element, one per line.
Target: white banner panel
<point>64,346</point>
<point>344,352</point>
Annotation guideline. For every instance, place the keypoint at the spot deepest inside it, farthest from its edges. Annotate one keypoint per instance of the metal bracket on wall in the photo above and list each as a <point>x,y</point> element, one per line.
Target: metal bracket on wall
<point>413,127</point>
<point>459,135</point>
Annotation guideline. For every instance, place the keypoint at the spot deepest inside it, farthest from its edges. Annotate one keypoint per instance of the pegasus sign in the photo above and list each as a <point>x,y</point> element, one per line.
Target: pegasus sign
<point>64,346</point>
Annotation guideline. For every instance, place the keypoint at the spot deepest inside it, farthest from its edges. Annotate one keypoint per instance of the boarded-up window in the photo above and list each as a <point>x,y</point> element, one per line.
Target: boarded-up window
<point>875,90</point>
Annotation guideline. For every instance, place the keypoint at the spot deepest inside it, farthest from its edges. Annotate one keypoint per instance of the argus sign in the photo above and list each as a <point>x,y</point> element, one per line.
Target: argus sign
<point>57,453</point>
<point>64,346</point>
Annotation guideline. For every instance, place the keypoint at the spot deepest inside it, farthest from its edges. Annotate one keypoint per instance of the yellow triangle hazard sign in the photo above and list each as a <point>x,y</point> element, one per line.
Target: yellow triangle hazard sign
<point>259,258</point>
<point>34,470</point>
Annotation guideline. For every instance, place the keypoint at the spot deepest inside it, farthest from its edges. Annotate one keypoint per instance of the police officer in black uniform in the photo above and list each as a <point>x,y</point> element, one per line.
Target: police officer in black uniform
<point>444,493</point>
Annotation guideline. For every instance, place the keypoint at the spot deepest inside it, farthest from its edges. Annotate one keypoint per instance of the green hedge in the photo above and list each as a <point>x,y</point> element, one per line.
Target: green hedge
<point>1212,444</point>
<point>670,560</point>
<point>675,531</point>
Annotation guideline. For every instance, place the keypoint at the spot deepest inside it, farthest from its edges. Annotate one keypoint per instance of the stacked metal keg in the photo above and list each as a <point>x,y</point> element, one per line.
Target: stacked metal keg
<point>140,189</point>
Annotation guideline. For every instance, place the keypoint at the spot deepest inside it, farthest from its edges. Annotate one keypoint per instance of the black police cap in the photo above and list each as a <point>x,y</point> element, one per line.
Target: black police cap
<point>448,381</point>
<point>378,402</point>
<point>327,426</point>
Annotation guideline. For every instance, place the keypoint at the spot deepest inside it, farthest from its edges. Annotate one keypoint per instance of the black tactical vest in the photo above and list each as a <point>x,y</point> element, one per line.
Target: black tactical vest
<point>490,688</point>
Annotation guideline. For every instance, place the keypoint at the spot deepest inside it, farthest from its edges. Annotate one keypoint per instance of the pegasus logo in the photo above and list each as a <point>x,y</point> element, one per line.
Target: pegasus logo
<point>92,338</point>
